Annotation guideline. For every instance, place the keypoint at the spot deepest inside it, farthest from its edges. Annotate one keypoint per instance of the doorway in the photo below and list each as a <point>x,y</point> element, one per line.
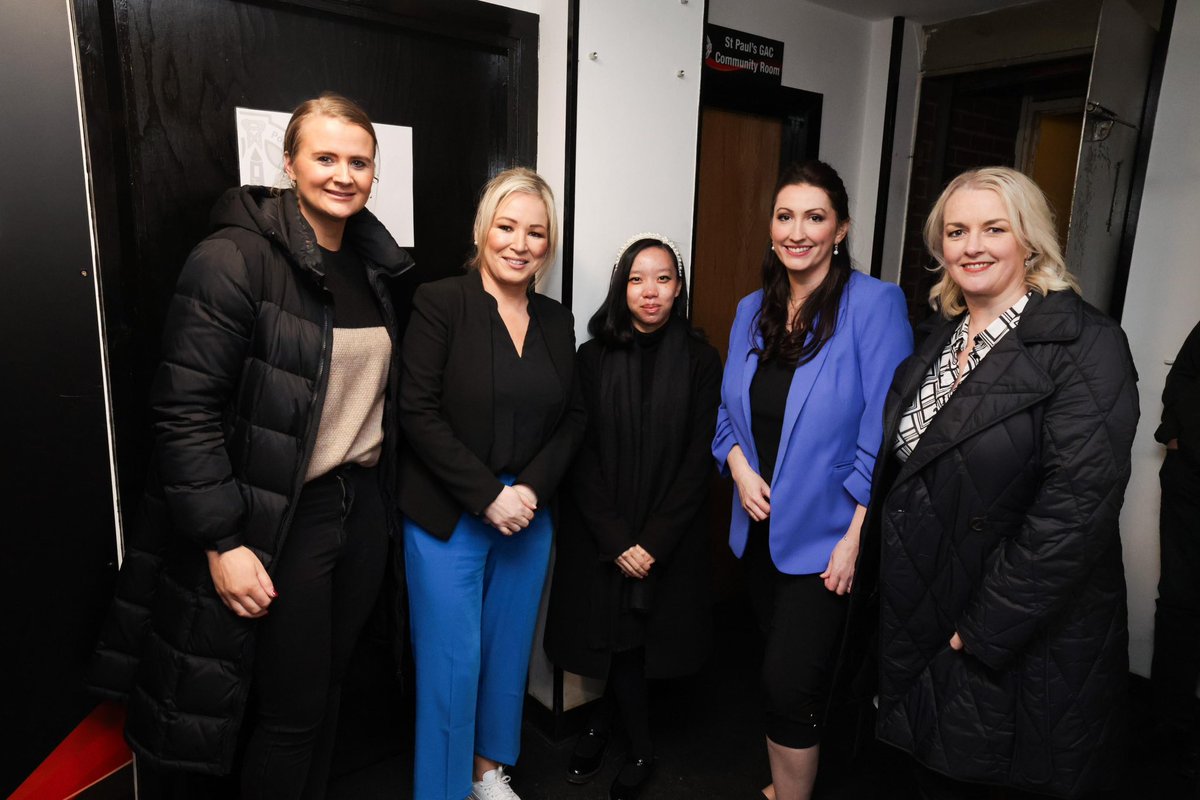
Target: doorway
<point>1003,91</point>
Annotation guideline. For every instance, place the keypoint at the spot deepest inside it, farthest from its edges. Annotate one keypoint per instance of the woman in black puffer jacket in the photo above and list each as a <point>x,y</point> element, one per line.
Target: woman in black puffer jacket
<point>263,537</point>
<point>1001,589</point>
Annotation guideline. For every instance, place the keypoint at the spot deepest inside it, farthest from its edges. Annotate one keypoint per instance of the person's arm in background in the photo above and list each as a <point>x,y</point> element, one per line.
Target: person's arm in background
<point>1181,395</point>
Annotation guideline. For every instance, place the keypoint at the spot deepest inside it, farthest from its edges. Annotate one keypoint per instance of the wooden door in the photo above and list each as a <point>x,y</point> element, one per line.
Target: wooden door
<point>739,164</point>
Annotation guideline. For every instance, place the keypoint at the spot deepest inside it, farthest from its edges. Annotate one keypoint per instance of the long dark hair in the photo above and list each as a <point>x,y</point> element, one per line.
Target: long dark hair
<point>612,323</point>
<point>819,311</point>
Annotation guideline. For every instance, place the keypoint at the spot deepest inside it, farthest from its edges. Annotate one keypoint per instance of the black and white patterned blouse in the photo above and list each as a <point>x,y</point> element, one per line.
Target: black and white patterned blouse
<point>943,377</point>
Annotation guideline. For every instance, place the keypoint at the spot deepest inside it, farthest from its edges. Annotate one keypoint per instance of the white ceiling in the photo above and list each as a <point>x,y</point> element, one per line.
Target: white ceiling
<point>920,11</point>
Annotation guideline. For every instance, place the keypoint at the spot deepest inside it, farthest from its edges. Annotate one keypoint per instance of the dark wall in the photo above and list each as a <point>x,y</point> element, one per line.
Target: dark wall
<point>57,505</point>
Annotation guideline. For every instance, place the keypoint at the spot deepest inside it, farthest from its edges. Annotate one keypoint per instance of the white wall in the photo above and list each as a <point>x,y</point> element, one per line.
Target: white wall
<point>1161,307</point>
<point>637,131</point>
<point>846,59</point>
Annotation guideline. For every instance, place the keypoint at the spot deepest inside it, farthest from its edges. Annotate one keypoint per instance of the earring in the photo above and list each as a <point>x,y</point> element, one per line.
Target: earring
<point>835,250</point>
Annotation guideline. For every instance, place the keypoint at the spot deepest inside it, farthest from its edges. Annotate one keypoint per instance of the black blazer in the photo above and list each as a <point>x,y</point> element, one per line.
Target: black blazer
<point>446,409</point>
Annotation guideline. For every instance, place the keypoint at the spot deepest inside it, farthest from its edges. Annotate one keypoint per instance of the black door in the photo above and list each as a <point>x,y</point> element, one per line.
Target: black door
<point>162,79</point>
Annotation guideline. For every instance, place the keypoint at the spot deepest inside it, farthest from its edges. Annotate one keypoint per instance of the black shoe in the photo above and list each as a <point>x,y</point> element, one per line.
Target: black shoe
<point>633,776</point>
<point>588,756</point>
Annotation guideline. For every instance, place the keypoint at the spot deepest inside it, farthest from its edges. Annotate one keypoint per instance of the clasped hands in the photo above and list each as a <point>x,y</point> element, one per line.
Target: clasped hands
<point>512,510</point>
<point>635,562</point>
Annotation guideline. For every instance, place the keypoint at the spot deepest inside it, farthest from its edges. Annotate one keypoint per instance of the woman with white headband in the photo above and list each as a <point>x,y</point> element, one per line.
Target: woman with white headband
<point>632,560</point>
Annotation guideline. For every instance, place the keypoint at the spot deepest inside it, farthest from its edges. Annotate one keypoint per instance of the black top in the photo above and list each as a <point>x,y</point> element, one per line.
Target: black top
<point>768,400</point>
<point>354,305</point>
<point>649,342</point>
<point>527,393</point>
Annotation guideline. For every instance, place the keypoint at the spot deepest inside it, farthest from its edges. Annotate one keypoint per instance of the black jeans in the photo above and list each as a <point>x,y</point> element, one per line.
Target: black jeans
<point>1176,664</point>
<point>327,579</point>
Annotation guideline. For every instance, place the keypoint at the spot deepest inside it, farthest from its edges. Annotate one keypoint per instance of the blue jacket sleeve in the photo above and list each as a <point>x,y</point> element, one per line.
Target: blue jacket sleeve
<point>883,338</point>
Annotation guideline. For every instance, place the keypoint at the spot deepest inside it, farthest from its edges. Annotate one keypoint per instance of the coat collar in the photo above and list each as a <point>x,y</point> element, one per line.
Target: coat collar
<point>1008,381</point>
<point>275,215</point>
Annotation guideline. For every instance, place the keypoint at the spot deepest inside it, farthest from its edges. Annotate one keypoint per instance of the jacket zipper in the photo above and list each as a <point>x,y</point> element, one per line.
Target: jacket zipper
<point>316,405</point>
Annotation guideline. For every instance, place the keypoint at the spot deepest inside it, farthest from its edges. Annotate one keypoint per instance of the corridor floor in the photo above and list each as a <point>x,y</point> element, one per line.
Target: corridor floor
<point>708,741</point>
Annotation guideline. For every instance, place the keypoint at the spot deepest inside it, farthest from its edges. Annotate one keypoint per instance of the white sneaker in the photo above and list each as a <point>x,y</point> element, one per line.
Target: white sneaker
<point>494,786</point>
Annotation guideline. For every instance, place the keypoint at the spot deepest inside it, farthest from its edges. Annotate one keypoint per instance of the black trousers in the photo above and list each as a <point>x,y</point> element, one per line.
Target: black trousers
<point>802,622</point>
<point>327,578</point>
<point>1176,664</point>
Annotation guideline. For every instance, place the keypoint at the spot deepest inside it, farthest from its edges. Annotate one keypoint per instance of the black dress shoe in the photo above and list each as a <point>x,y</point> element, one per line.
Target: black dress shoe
<point>588,756</point>
<point>633,776</point>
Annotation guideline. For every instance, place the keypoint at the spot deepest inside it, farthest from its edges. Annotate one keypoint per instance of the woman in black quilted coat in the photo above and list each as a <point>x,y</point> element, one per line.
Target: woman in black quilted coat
<point>1001,589</point>
<point>263,538</point>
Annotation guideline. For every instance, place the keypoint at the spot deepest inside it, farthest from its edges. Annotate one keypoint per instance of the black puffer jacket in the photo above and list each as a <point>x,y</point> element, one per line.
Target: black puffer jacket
<point>236,403</point>
<point>1002,526</point>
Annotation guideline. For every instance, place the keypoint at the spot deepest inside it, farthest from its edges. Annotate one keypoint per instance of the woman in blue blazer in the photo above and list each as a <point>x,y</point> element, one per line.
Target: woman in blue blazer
<point>810,359</point>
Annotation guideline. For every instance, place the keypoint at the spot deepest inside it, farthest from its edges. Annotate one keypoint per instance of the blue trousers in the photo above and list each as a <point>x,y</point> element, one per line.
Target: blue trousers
<point>473,603</point>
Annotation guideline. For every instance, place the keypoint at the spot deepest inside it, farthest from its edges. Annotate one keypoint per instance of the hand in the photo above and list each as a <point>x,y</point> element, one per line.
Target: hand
<point>241,582</point>
<point>1173,444</point>
<point>509,512</point>
<point>753,492</point>
<point>839,573</point>
<point>527,494</point>
<point>635,562</point>
<point>956,642</point>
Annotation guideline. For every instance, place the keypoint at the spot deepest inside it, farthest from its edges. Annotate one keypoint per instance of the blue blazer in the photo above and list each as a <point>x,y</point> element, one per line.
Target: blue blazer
<point>832,423</point>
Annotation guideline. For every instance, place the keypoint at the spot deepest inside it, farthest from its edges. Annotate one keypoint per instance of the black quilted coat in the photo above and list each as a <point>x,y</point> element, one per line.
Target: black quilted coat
<point>1002,526</point>
<point>236,406</point>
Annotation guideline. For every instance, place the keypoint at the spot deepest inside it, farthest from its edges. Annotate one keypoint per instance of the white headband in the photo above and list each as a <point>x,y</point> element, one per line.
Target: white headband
<point>658,237</point>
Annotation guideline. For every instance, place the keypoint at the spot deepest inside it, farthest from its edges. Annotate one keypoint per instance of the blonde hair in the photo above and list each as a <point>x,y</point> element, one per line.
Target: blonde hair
<point>329,104</point>
<point>511,181</point>
<point>1032,224</point>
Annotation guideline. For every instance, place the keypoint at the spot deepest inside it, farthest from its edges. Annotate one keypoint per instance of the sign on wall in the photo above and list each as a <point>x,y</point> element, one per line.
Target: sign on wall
<point>260,163</point>
<point>746,58</point>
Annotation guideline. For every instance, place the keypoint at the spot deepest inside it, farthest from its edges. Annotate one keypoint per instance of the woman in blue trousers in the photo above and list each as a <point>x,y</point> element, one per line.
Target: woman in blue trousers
<point>492,418</point>
<point>810,359</point>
